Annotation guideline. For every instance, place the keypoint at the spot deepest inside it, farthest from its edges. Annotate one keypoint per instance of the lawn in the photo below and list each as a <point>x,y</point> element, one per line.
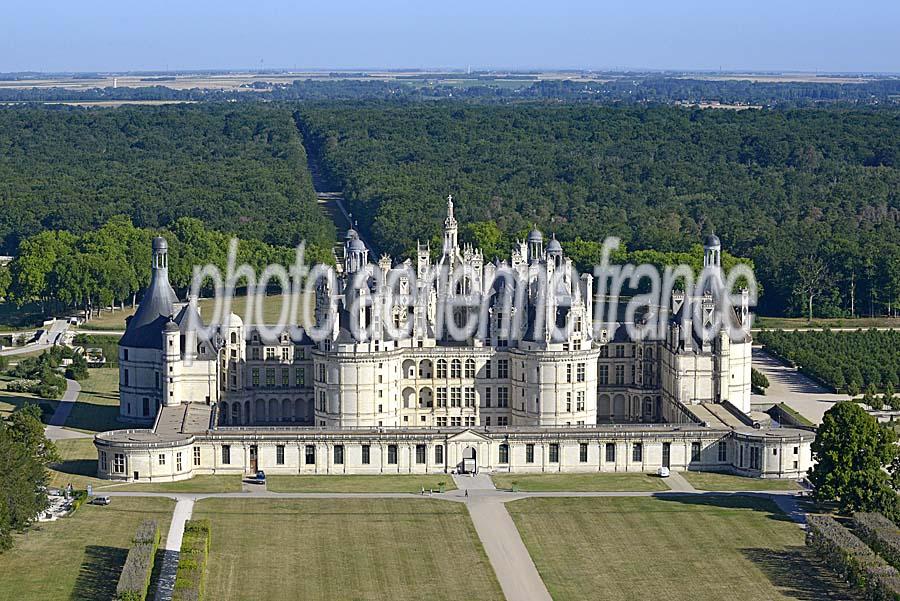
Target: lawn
<point>580,482</point>
<point>361,483</point>
<point>115,320</point>
<point>678,548</point>
<point>78,466</point>
<point>79,557</point>
<point>712,481</point>
<point>774,323</point>
<point>202,483</point>
<point>392,549</point>
<point>97,409</point>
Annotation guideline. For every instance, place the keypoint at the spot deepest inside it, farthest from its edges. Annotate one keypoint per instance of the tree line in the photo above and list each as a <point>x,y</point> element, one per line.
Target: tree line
<point>111,264</point>
<point>241,169</point>
<point>808,195</point>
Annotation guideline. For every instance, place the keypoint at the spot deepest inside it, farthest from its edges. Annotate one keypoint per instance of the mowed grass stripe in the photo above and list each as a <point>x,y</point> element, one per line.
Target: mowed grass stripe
<point>344,549</point>
<point>694,549</point>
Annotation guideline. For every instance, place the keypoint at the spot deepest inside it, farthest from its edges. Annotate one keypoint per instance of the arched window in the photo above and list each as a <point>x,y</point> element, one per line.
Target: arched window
<point>234,338</point>
<point>442,368</point>
<point>504,453</point>
<point>456,368</point>
<point>470,368</point>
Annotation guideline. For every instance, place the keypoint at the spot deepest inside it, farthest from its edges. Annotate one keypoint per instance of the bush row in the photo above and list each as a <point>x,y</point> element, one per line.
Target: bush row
<point>847,555</point>
<point>135,579</point>
<point>881,534</point>
<point>190,580</point>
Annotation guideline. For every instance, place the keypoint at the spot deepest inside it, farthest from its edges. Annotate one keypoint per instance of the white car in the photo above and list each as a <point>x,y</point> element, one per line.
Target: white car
<point>663,472</point>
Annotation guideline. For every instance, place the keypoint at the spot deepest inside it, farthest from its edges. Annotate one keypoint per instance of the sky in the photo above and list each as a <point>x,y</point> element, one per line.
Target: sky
<point>761,35</point>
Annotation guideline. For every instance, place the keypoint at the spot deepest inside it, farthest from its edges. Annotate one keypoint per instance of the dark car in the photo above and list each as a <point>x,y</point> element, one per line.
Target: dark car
<point>260,477</point>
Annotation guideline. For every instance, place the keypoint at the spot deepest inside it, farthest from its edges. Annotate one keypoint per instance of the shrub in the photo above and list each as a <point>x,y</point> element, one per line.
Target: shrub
<point>78,499</point>
<point>849,556</point>
<point>190,579</point>
<point>758,381</point>
<point>135,579</point>
<point>880,533</point>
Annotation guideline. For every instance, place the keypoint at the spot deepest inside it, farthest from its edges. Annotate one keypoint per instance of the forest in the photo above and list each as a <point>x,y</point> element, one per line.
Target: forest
<point>233,167</point>
<point>810,196</point>
<point>847,361</point>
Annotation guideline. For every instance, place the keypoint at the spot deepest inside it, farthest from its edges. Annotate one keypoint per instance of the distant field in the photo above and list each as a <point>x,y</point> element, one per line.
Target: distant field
<point>360,483</point>
<point>115,320</point>
<point>580,482</point>
<point>711,481</point>
<point>684,549</point>
<point>373,549</point>
<point>774,323</point>
<point>77,558</point>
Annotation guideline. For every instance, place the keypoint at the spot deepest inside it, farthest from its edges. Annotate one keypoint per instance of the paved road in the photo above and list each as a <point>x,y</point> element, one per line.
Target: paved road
<point>788,385</point>
<point>55,429</point>
<point>508,555</point>
<point>184,508</point>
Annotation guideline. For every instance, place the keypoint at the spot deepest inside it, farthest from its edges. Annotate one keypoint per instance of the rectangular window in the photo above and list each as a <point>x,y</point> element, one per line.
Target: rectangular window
<point>254,353</point>
<point>620,350</point>
<point>439,454</point>
<point>487,397</point>
<point>254,376</point>
<point>579,373</point>
<point>178,464</point>
<point>502,421</point>
<point>503,368</point>
<point>125,377</point>
<point>579,400</point>
<point>455,396</point>
<point>104,465</point>
<point>270,377</point>
<point>470,396</point>
<point>392,454</point>
<point>300,377</point>
<point>695,451</point>
<point>442,422</point>
<point>604,374</point>
<point>610,451</point>
<point>504,453</point>
<point>226,454</point>
<point>503,397</point>
<point>529,453</point>
<point>162,459</point>
<point>279,454</point>
<point>196,456</point>
<point>568,402</point>
<point>554,452</point>
<point>285,376</point>
<point>487,369</point>
<point>339,454</point>
<point>723,451</point>
<point>420,453</point>
<point>146,407</point>
<point>456,421</point>
<point>285,353</point>
<point>441,396</point>
<point>568,372</point>
<point>583,452</point>
<point>637,452</point>
<point>310,455</point>
<point>366,454</point>
<point>620,375</point>
<point>270,352</point>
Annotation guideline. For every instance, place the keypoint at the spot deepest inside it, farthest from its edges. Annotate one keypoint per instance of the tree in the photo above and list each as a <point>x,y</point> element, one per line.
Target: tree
<point>852,452</point>
<point>811,279</point>
<point>25,454</point>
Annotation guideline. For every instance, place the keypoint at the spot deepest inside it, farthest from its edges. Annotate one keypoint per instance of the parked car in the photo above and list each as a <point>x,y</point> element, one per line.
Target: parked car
<point>663,472</point>
<point>260,477</point>
<point>100,501</point>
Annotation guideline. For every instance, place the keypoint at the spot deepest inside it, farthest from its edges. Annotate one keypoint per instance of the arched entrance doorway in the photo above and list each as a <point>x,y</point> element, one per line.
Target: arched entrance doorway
<point>469,461</point>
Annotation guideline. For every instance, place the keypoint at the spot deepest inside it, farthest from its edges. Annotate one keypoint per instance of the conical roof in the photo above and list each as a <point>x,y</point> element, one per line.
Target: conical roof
<point>144,329</point>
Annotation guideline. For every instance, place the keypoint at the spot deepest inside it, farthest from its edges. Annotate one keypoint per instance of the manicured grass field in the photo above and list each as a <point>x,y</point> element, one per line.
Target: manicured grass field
<point>391,549</point>
<point>774,323</point>
<point>97,408</point>
<point>115,320</point>
<point>691,549</point>
<point>712,481</point>
<point>580,482</point>
<point>78,466</point>
<point>361,483</point>
<point>79,557</point>
<point>202,483</point>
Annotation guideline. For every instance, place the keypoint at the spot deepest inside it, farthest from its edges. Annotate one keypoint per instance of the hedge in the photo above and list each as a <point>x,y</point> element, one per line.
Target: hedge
<point>190,579</point>
<point>849,556</point>
<point>881,534</point>
<point>135,579</point>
